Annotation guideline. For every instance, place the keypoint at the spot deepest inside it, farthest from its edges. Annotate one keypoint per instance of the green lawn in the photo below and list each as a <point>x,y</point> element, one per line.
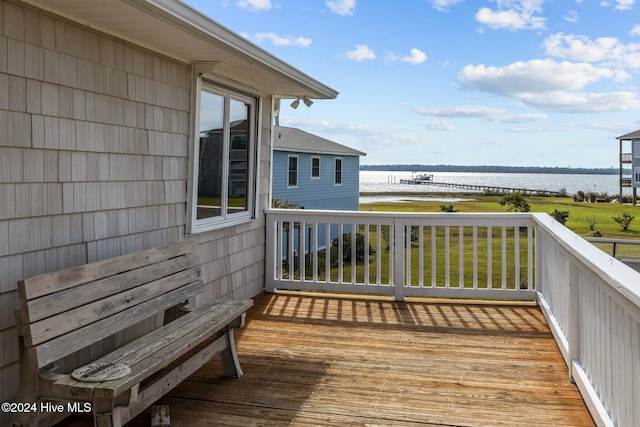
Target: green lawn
<point>578,221</point>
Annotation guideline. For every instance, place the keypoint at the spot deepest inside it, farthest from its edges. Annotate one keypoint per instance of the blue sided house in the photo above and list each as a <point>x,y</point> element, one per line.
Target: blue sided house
<point>311,172</point>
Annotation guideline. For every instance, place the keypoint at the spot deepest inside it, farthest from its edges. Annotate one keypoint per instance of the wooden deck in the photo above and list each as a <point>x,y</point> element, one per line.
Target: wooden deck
<point>328,360</point>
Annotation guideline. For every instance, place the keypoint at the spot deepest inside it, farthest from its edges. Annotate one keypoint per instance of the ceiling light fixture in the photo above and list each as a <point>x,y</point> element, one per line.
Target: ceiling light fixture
<point>307,102</point>
<point>295,103</point>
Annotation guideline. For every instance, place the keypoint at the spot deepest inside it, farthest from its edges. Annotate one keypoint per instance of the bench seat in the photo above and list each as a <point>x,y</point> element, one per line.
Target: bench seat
<point>66,311</point>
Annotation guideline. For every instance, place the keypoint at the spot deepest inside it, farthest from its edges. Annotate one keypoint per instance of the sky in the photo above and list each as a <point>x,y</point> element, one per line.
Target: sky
<point>457,82</point>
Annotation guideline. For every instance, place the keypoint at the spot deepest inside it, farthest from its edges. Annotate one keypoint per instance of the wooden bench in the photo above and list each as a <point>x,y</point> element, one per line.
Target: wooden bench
<point>65,312</point>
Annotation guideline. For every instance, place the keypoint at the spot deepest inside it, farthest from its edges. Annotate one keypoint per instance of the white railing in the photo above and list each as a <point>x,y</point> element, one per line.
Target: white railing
<point>590,299</point>
<point>592,304</point>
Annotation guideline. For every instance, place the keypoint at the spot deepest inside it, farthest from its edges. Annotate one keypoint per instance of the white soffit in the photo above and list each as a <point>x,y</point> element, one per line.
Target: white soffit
<point>174,29</point>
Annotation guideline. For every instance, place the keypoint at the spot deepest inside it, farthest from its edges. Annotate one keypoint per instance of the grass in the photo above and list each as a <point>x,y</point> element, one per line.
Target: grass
<point>578,220</point>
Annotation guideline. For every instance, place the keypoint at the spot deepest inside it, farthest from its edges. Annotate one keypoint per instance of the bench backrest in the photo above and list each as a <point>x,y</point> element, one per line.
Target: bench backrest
<point>63,312</point>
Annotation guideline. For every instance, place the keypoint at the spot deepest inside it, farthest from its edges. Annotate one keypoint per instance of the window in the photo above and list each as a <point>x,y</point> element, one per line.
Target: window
<point>315,167</point>
<point>636,175</point>
<point>338,171</point>
<point>636,149</point>
<point>293,171</point>
<point>224,187</point>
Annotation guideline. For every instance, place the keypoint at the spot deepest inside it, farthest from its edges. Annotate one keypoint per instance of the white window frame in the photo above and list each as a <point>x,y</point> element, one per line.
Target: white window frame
<point>319,167</point>
<point>289,184</point>
<point>226,219</point>
<point>335,171</point>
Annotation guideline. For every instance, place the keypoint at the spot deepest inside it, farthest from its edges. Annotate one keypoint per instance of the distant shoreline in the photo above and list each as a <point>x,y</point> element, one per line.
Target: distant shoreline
<point>493,169</point>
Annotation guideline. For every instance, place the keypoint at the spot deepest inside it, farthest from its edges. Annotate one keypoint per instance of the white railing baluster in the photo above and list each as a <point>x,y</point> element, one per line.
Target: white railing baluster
<point>447,258</point>
<point>421,256</point>
<point>378,254</point>
<point>340,253</point>
<point>475,257</point>
<point>407,246</point>
<point>367,263</point>
<point>460,256</point>
<point>314,238</point>
<point>516,262</point>
<point>354,247</point>
<point>302,249</point>
<point>327,252</point>
<point>434,259</point>
<point>503,280</point>
<point>489,258</point>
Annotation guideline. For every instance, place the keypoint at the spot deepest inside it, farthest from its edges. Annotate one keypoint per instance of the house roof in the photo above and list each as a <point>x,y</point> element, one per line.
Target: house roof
<point>296,140</point>
<point>632,135</point>
<point>172,28</point>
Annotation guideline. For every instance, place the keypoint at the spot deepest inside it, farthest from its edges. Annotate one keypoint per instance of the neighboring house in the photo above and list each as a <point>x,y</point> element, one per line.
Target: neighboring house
<point>128,124</point>
<point>313,172</point>
<point>630,158</point>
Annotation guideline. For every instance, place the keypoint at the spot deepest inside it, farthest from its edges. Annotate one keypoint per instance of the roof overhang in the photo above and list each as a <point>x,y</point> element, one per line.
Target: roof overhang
<point>174,29</point>
<point>630,136</point>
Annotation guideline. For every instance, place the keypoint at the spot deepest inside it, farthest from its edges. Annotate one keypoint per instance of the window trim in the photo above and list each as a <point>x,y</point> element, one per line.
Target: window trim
<point>335,170</point>
<point>289,157</point>
<point>319,167</point>
<point>195,225</point>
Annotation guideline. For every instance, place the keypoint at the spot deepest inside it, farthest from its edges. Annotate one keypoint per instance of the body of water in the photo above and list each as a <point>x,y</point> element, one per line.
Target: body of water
<point>389,182</point>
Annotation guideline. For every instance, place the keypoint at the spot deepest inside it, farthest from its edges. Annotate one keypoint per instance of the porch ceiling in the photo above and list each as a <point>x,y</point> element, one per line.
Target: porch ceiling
<point>174,29</point>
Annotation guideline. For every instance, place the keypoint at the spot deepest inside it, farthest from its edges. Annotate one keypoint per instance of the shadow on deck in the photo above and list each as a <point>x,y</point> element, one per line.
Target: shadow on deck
<point>317,359</point>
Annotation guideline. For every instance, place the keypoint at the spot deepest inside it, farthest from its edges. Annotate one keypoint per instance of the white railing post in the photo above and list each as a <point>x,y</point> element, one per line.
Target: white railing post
<point>574,308</point>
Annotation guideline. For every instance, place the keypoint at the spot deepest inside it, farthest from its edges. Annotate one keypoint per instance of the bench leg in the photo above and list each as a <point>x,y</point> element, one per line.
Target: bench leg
<point>104,414</point>
<point>229,357</point>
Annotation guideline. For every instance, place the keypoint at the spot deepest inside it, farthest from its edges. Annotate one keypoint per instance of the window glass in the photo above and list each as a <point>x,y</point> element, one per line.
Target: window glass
<point>293,171</point>
<point>211,150</point>
<point>315,167</point>
<point>338,171</point>
<point>226,151</point>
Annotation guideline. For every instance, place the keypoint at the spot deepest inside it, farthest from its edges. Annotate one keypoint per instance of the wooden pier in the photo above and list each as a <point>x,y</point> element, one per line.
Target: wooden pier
<point>483,188</point>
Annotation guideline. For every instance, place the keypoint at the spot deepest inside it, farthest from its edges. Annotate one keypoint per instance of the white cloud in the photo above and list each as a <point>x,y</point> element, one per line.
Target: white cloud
<point>444,5</point>
<point>361,53</point>
<point>550,85</point>
<point>572,102</point>
<point>255,5</point>
<point>513,15</point>
<point>342,7</point>
<point>635,31</point>
<point>624,4</point>
<point>491,114</point>
<point>518,118</point>
<point>415,57</point>
<point>464,111</point>
<point>282,41</point>
<point>531,77</point>
<point>605,50</point>
<point>571,16</point>
<point>439,125</point>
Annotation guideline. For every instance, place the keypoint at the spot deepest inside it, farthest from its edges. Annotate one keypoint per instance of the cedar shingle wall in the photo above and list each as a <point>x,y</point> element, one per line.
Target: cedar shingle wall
<point>94,163</point>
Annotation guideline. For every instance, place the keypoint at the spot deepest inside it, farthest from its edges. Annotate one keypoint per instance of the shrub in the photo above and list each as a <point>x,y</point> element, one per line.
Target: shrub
<point>560,216</point>
<point>447,208</point>
<point>592,221</point>
<point>515,202</point>
<point>624,220</point>
<point>346,246</point>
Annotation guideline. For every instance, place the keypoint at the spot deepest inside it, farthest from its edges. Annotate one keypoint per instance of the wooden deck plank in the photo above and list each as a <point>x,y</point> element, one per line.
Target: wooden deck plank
<point>321,360</point>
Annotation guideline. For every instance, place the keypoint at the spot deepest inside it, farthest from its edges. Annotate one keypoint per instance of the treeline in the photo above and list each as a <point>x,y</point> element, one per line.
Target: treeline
<point>492,169</point>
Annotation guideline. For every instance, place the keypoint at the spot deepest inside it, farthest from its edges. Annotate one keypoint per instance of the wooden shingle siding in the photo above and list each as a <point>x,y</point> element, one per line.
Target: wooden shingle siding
<point>94,163</point>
